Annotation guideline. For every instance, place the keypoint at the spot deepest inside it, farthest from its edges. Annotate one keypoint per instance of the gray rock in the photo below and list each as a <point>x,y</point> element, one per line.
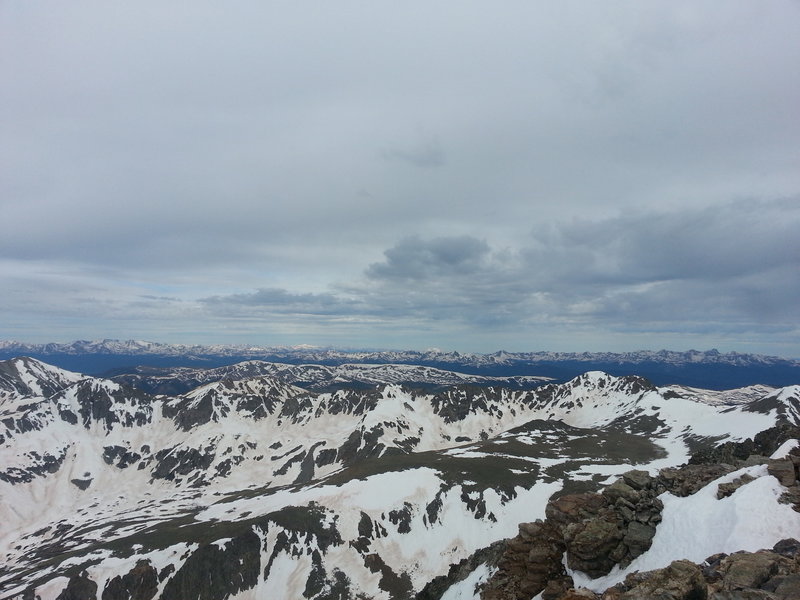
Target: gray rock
<point>749,594</point>
<point>637,479</point>
<point>783,471</point>
<point>621,490</point>
<point>750,570</point>
<point>753,460</point>
<point>788,547</point>
<point>626,513</point>
<point>686,480</point>
<point>788,587</point>
<point>589,551</point>
<point>681,580</point>
<point>726,489</point>
<point>638,538</point>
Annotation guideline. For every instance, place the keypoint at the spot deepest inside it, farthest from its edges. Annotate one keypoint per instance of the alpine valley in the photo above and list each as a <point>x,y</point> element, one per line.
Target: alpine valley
<point>393,480</point>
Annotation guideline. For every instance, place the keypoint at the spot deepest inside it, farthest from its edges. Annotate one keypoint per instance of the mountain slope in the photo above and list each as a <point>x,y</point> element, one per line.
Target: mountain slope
<point>318,378</point>
<point>324,495</point>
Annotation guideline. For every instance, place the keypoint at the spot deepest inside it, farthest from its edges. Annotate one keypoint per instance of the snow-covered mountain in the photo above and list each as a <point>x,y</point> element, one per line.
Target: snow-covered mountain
<point>172,380</point>
<point>250,486</point>
<point>338,356</point>
<point>709,369</point>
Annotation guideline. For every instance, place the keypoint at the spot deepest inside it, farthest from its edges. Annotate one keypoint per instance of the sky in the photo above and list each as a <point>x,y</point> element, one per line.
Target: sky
<point>570,176</point>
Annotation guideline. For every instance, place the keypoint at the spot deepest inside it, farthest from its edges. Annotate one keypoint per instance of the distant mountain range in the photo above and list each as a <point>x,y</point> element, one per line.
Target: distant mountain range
<point>709,369</point>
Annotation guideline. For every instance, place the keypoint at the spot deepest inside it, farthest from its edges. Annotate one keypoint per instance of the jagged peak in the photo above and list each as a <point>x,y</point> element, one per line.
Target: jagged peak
<point>248,386</point>
<point>26,376</point>
<point>600,380</point>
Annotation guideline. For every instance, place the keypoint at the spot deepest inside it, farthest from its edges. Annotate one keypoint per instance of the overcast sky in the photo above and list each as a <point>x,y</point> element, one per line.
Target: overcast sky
<point>461,175</point>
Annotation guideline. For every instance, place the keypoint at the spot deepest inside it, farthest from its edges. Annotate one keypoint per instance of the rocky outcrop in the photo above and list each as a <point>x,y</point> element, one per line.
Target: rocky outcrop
<point>79,587</point>
<point>594,532</point>
<point>531,560</point>
<point>688,479</point>
<point>458,572</point>
<point>772,574</point>
<point>217,571</point>
<point>611,528</point>
<point>140,583</point>
<point>735,453</point>
<point>681,579</point>
<point>767,574</point>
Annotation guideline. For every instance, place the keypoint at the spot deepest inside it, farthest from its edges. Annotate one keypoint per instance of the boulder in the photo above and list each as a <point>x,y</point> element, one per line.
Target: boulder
<point>590,549</point>
<point>788,547</point>
<point>681,580</point>
<point>574,507</point>
<point>726,489</point>
<point>637,479</point>
<point>621,490</point>
<point>530,561</point>
<point>638,538</point>
<point>783,471</point>
<point>751,569</point>
<point>785,587</point>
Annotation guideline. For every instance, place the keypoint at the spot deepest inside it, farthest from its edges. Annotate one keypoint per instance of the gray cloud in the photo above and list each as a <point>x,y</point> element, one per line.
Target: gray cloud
<point>413,258</point>
<point>735,267</point>
<point>726,274</point>
<point>427,154</point>
<point>710,243</point>
<point>280,301</point>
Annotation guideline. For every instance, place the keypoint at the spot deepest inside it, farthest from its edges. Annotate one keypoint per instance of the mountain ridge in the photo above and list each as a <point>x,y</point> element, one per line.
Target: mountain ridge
<point>707,369</point>
<point>133,347</point>
<point>370,491</point>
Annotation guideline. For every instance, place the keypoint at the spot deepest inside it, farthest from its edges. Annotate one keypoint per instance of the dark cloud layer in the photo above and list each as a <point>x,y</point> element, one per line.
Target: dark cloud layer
<point>278,301</point>
<point>566,175</point>
<point>413,258</point>
<point>733,270</point>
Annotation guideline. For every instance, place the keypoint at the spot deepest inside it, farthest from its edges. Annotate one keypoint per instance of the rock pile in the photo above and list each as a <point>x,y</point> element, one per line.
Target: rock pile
<point>531,562</point>
<point>597,532</point>
<point>593,533</point>
<point>767,574</point>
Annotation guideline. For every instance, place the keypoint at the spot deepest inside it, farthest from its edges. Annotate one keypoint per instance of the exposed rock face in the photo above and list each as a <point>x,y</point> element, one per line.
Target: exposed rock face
<point>80,587</point>
<point>461,570</point>
<point>734,453</point>
<point>603,530</point>
<point>784,470</point>
<point>593,533</point>
<point>531,560</point>
<point>140,583</point>
<point>680,580</point>
<point>223,571</point>
<point>688,479</point>
<point>597,532</point>
<point>769,574</point>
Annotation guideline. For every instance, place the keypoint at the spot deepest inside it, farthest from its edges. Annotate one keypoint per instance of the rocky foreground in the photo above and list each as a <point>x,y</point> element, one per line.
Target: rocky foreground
<point>595,534</point>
